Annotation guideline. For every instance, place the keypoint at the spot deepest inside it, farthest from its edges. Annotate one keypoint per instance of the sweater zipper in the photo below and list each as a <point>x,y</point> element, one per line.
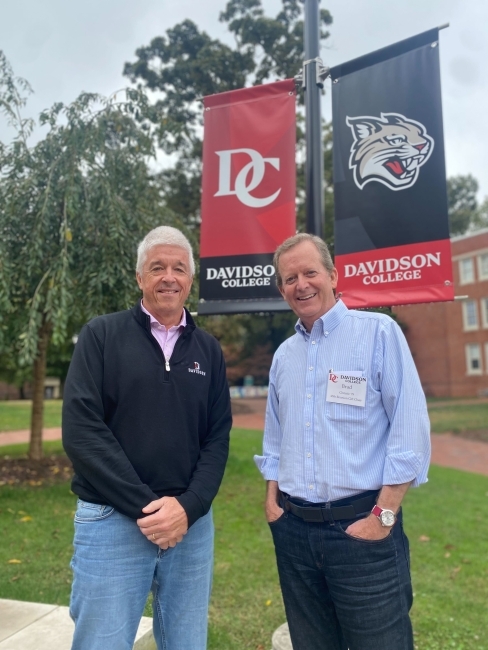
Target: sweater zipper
<point>156,344</point>
<point>166,361</point>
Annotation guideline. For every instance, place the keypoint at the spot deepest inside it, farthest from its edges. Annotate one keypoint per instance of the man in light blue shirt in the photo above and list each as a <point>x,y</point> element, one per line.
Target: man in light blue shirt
<point>346,434</point>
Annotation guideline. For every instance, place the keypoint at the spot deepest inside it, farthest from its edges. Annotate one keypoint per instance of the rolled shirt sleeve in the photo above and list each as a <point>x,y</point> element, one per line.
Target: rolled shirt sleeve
<point>408,446</point>
<point>268,463</point>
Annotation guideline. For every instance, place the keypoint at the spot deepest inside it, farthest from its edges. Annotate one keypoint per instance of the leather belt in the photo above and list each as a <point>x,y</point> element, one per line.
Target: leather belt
<point>323,513</point>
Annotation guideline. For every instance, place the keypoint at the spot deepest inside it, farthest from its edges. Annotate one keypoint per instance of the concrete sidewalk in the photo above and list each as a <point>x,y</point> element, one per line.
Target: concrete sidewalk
<point>35,626</point>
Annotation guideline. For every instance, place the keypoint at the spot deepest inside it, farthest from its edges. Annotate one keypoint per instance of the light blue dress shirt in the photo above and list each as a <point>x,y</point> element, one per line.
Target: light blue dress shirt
<point>322,451</point>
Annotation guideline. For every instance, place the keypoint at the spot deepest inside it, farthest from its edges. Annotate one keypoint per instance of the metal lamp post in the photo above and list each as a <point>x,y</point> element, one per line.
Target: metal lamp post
<point>313,75</point>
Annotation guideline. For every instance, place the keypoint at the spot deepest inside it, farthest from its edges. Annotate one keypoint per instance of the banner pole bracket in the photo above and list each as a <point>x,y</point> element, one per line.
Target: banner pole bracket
<point>322,71</point>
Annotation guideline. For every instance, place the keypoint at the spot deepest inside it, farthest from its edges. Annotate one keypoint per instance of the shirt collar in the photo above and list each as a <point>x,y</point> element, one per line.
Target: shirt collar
<point>329,321</point>
<point>155,322</point>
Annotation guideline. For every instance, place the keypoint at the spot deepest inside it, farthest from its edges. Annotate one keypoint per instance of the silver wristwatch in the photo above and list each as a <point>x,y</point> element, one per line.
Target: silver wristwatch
<point>386,517</point>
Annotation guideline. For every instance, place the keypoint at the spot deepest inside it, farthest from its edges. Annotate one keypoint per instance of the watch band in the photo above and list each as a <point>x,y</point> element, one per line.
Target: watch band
<point>387,517</point>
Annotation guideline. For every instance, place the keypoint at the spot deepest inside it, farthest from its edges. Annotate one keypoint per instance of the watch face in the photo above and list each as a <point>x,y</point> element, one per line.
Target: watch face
<point>387,518</point>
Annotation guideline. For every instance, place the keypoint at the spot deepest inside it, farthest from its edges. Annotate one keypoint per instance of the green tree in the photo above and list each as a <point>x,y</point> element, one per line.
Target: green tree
<point>462,203</point>
<point>249,341</point>
<point>72,210</point>
<point>481,218</point>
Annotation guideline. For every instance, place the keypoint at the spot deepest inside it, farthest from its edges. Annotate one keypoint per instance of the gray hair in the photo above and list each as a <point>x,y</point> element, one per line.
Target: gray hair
<point>163,235</point>
<point>291,242</point>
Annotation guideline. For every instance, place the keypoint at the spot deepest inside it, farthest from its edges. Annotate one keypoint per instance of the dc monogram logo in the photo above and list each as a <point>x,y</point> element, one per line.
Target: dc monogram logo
<point>333,378</point>
<point>242,188</point>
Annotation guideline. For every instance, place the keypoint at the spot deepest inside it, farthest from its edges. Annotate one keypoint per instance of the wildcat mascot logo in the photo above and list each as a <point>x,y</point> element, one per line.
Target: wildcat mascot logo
<point>388,150</point>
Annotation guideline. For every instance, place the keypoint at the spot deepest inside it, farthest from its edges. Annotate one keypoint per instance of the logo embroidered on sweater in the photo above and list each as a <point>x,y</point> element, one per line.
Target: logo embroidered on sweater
<point>196,369</point>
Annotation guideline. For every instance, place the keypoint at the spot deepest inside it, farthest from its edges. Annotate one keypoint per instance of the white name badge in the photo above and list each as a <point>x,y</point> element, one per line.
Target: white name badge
<point>347,387</point>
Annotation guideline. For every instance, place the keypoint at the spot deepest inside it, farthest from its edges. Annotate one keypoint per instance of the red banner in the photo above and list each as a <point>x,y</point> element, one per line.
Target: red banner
<point>248,193</point>
<point>396,276</point>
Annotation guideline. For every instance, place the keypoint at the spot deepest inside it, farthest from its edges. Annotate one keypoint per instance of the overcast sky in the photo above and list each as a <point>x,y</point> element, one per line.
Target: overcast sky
<point>63,47</point>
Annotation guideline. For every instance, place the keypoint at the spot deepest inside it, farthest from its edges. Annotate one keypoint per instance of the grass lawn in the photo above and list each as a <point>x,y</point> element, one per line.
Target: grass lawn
<point>15,415</point>
<point>458,417</point>
<point>444,416</point>
<point>448,529</point>
<point>48,446</point>
<point>445,520</point>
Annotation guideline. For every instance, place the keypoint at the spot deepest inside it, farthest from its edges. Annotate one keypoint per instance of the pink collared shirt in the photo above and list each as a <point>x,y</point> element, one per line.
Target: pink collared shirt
<point>166,337</point>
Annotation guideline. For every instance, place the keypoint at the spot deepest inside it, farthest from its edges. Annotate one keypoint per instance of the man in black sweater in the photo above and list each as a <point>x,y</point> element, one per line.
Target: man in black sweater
<point>146,421</point>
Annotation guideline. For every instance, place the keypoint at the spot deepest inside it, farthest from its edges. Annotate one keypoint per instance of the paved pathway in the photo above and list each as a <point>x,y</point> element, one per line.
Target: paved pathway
<point>447,450</point>
<point>16,437</point>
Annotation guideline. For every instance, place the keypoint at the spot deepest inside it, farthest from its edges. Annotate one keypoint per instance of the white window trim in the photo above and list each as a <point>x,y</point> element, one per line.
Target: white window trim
<point>484,312</point>
<point>466,326</point>
<point>469,369</point>
<point>461,278</point>
<point>481,275</point>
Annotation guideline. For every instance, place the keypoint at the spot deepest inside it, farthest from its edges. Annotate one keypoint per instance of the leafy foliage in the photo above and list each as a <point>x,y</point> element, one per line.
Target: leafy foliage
<point>249,341</point>
<point>481,220</point>
<point>462,202</point>
<point>72,210</point>
<point>276,43</point>
<point>83,189</point>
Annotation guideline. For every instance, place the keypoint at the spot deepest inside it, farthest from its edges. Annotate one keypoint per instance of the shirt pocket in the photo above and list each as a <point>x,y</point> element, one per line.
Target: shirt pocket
<point>345,412</point>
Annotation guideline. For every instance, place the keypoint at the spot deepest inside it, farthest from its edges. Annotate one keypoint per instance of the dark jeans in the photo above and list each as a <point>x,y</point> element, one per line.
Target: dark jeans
<point>340,592</point>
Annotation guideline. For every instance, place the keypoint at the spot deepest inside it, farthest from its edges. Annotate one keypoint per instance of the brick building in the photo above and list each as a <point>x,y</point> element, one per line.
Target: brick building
<point>449,340</point>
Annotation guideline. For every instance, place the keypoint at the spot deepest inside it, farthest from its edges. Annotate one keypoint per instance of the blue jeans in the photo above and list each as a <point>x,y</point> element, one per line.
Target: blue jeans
<point>115,567</point>
<point>341,592</point>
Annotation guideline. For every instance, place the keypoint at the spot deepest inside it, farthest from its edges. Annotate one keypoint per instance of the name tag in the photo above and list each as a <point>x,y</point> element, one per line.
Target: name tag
<point>347,387</point>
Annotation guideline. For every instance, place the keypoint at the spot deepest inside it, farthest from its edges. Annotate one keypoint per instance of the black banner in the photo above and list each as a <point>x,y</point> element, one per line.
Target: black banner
<point>241,283</point>
<point>389,176</point>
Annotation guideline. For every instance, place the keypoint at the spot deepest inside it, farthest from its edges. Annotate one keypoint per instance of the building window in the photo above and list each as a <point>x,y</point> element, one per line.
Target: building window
<point>484,312</point>
<point>473,359</point>
<point>466,271</point>
<point>483,266</point>
<point>470,315</point>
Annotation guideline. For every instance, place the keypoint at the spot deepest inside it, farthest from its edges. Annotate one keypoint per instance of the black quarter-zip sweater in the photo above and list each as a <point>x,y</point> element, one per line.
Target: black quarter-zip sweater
<point>136,431</point>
